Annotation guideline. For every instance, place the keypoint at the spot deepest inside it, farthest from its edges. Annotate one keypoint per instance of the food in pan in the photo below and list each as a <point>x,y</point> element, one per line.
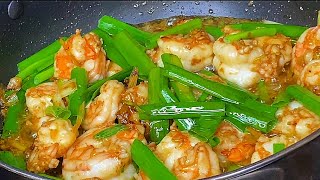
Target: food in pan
<point>189,99</point>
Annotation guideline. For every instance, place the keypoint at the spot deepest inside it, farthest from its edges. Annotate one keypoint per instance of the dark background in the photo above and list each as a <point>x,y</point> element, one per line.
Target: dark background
<point>42,22</point>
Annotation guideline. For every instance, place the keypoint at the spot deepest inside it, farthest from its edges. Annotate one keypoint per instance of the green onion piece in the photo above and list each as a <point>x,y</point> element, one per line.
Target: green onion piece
<point>28,82</point>
<point>120,76</point>
<point>180,110</point>
<point>277,147</point>
<point>206,126</point>
<point>43,53</point>
<point>282,99</point>
<point>233,167</point>
<point>259,120</point>
<point>306,97</point>
<point>263,92</point>
<point>212,141</point>
<point>13,160</point>
<point>166,93</point>
<point>203,97</point>
<point>133,53</point>
<point>250,34</point>
<point>158,129</point>
<point>78,97</point>
<point>184,28</point>
<point>11,121</point>
<point>291,31</point>
<point>113,26</point>
<point>58,112</point>
<point>49,177</point>
<point>214,31</point>
<point>318,20</point>
<point>110,131</point>
<point>44,75</point>
<point>110,49</point>
<point>33,68</point>
<point>221,91</point>
<point>149,163</point>
<point>238,124</point>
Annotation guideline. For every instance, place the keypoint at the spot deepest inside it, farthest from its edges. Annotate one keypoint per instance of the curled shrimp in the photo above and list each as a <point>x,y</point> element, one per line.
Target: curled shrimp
<point>48,94</point>
<point>194,49</point>
<point>306,60</point>
<point>245,62</point>
<point>85,52</point>
<point>296,121</point>
<point>108,158</point>
<point>186,156</point>
<point>53,140</point>
<point>102,110</point>
<point>235,146</point>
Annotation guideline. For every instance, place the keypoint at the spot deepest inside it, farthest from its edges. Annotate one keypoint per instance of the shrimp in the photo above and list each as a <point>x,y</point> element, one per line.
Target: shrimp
<point>245,62</point>
<point>85,52</point>
<point>137,95</point>
<point>113,68</point>
<point>186,156</point>
<point>102,110</point>
<point>48,94</point>
<point>235,146</point>
<point>306,60</point>
<point>296,121</point>
<point>194,50</point>
<point>109,158</point>
<point>53,140</point>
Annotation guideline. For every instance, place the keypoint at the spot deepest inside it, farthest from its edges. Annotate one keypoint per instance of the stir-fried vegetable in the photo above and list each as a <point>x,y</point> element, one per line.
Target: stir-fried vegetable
<point>58,112</point>
<point>44,75</point>
<point>214,31</point>
<point>250,34</point>
<point>110,131</point>
<point>16,161</point>
<point>277,147</point>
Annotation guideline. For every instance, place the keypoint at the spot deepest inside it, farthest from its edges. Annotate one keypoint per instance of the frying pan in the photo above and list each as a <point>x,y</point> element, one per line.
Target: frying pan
<point>31,26</point>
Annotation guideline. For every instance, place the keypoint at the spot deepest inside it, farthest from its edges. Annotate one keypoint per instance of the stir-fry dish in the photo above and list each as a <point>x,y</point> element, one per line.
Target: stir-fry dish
<point>179,98</point>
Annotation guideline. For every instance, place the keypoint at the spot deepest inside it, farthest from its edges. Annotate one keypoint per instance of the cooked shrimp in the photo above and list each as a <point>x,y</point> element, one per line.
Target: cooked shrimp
<point>186,156</point>
<point>85,52</point>
<point>245,62</point>
<point>296,121</point>
<point>113,68</point>
<point>48,94</point>
<point>264,146</point>
<point>194,49</point>
<point>53,140</point>
<point>306,58</point>
<point>235,146</point>
<point>102,110</point>
<point>109,158</point>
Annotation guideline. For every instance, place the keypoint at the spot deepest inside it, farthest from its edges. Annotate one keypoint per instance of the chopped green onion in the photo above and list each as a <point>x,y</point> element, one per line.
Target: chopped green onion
<point>113,26</point>
<point>133,53</point>
<point>13,160</point>
<point>206,126</point>
<point>282,99</point>
<point>44,75</point>
<point>263,92</point>
<point>306,97</point>
<point>277,147</point>
<point>180,110</point>
<point>110,131</point>
<point>250,34</point>
<point>214,31</point>
<point>233,167</point>
<point>58,112</point>
<point>149,163</point>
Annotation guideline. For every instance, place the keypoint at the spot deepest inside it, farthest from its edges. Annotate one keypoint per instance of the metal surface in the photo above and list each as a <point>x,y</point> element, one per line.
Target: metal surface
<point>42,22</point>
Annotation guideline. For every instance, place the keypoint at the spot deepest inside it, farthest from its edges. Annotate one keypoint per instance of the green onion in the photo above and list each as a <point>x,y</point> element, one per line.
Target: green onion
<point>44,75</point>
<point>263,92</point>
<point>282,99</point>
<point>11,121</point>
<point>112,52</point>
<point>221,91</point>
<point>206,126</point>
<point>214,31</point>
<point>36,67</point>
<point>158,129</point>
<point>250,34</point>
<point>306,97</point>
<point>113,26</point>
<point>277,147</point>
<point>291,31</point>
<point>110,131</point>
<point>166,93</point>
<point>43,53</point>
<point>233,167</point>
<point>149,163</point>
<point>78,97</point>
<point>28,82</point>
<point>184,28</point>
<point>241,126</point>
<point>93,90</point>
<point>16,161</point>
<point>58,112</point>
<point>131,51</point>
<point>180,110</point>
<point>259,120</point>
<point>318,20</point>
